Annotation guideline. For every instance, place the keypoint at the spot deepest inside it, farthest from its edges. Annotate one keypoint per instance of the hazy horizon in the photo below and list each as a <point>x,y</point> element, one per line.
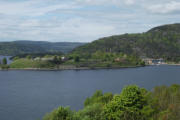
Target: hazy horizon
<point>82,20</point>
<point>42,41</point>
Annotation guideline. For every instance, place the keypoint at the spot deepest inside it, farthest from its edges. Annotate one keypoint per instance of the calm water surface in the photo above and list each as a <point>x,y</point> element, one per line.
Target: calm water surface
<point>28,95</point>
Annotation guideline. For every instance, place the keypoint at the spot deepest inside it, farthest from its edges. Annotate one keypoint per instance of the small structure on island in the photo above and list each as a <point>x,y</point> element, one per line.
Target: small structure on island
<point>158,61</point>
<point>43,59</point>
<point>37,58</point>
<point>47,59</point>
<point>119,59</point>
<point>150,61</point>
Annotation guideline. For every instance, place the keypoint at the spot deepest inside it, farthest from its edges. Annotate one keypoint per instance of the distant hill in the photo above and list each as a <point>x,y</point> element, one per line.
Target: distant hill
<point>24,47</point>
<point>159,42</point>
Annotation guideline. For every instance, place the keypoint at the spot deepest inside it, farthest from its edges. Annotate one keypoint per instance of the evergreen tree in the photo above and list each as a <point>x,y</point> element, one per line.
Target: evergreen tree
<point>4,61</point>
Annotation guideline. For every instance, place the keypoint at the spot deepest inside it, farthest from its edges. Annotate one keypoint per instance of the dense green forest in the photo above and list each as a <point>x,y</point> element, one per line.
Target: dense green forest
<point>133,103</point>
<point>24,47</point>
<point>159,42</point>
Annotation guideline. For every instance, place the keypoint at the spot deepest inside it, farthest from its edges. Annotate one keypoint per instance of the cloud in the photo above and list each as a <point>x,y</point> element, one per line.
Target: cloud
<point>67,21</point>
<point>129,2</point>
<point>81,20</point>
<point>107,2</point>
<point>165,8</point>
<point>32,7</point>
<point>74,29</point>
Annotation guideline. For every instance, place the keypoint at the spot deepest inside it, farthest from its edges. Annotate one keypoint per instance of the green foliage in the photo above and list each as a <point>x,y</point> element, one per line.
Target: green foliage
<point>35,55</point>
<point>92,112</point>
<point>133,103</point>
<point>57,60</point>
<point>127,105</point>
<point>167,101</point>
<point>98,97</point>
<point>29,57</point>
<point>104,60</point>
<point>60,113</point>
<point>93,106</point>
<point>4,67</point>
<point>26,63</point>
<point>76,59</point>
<point>4,61</point>
<point>15,58</point>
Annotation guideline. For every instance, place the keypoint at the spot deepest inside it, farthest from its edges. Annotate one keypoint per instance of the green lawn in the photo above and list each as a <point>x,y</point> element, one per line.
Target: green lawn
<point>27,63</point>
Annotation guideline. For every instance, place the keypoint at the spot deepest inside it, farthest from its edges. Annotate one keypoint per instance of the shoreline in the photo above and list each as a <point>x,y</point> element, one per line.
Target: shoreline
<point>80,68</point>
<point>61,69</point>
<point>173,64</point>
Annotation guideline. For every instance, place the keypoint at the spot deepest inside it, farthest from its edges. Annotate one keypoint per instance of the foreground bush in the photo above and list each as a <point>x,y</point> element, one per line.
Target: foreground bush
<point>128,105</point>
<point>60,113</point>
<point>133,103</point>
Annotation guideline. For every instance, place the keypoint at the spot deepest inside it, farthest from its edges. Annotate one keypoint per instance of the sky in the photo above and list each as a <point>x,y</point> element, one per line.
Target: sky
<point>82,20</point>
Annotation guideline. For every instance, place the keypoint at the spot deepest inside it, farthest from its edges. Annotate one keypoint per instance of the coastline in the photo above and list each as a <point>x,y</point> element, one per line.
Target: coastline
<point>68,68</point>
<point>174,64</point>
<point>82,68</point>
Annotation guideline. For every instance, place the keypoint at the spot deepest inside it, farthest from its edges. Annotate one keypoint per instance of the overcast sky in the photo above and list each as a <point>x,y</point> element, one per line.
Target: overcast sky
<point>82,20</point>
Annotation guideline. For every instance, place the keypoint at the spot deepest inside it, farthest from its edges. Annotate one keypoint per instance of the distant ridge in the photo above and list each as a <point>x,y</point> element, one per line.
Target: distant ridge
<point>159,42</point>
<point>27,46</point>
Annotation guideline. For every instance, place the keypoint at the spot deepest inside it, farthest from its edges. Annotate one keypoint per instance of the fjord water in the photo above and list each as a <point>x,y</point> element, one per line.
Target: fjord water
<point>28,95</point>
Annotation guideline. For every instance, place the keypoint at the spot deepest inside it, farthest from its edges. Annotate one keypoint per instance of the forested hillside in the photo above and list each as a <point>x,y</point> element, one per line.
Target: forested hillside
<point>159,42</point>
<point>24,47</point>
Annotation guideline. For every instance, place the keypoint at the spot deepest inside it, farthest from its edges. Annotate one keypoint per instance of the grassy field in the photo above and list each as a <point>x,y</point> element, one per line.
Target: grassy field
<point>27,63</point>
